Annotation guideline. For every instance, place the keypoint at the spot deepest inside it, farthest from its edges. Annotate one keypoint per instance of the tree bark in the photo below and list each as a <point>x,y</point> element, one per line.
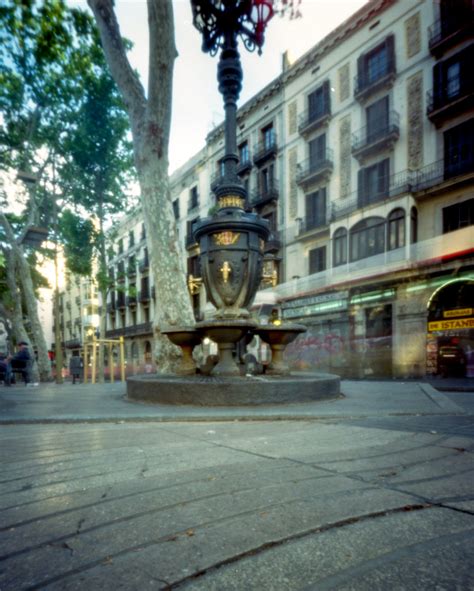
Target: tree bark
<point>150,121</point>
<point>20,264</point>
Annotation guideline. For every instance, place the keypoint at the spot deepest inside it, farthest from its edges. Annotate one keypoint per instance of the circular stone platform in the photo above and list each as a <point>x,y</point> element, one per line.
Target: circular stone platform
<point>232,391</point>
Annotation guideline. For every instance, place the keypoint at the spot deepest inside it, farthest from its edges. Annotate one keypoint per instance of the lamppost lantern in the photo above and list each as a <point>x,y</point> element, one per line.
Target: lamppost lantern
<point>221,21</point>
<point>261,13</point>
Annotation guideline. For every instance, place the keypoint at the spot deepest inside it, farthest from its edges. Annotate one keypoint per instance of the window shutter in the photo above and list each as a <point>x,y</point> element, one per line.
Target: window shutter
<point>361,72</point>
<point>390,44</point>
<point>326,97</point>
<point>361,187</point>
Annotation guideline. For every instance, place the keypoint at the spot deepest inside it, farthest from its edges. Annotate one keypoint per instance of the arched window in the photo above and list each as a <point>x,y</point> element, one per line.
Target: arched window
<point>339,247</point>
<point>396,229</point>
<point>414,225</point>
<point>367,238</point>
<point>147,352</point>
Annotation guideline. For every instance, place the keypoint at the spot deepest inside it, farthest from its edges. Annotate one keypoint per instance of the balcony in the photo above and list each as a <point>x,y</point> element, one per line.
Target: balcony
<point>441,176</point>
<point>373,139</point>
<point>145,328</point>
<point>72,344</point>
<point>449,31</point>
<point>131,300</point>
<point>273,244</point>
<point>379,78</point>
<point>144,296</point>
<point>446,103</point>
<point>265,194</point>
<point>120,301</point>
<point>132,270</point>
<point>315,170</point>
<point>244,166</point>
<point>312,225</point>
<point>395,185</point>
<point>265,150</point>
<point>310,121</point>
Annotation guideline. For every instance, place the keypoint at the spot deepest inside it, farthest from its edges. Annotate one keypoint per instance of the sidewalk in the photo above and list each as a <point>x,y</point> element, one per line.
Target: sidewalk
<point>370,492</point>
<point>107,402</point>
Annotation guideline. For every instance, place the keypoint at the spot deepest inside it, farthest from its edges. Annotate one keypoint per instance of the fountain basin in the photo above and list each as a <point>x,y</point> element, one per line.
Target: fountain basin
<point>233,391</point>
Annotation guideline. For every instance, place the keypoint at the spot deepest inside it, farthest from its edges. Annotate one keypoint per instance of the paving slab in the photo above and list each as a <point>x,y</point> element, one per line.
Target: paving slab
<point>373,491</point>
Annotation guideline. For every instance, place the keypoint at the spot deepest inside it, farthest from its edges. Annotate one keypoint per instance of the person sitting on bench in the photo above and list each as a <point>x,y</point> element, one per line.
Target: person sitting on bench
<point>20,362</point>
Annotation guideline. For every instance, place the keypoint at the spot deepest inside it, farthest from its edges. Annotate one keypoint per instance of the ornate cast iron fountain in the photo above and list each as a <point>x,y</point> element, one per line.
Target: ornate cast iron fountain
<point>232,246</point>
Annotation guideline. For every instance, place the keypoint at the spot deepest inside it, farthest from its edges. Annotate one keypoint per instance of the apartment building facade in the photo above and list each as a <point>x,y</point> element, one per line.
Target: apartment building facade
<point>360,155</point>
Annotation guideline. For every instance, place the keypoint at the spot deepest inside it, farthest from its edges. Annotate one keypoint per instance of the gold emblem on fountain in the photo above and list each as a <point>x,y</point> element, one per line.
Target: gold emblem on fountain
<point>226,238</point>
<point>226,270</point>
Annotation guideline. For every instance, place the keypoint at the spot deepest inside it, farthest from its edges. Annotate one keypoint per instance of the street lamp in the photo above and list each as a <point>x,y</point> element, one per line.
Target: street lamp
<point>231,241</point>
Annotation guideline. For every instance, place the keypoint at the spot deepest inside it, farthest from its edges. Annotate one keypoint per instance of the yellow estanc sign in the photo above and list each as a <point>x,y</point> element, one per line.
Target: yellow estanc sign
<point>459,312</point>
<point>457,323</point>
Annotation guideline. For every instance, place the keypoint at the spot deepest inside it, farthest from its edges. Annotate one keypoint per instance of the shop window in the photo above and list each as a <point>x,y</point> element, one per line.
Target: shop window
<point>367,238</point>
<point>339,247</point>
<point>459,215</point>
<point>317,260</point>
<point>396,229</point>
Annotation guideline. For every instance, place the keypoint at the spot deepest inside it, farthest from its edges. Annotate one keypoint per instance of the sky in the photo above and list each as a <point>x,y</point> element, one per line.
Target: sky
<point>197,104</point>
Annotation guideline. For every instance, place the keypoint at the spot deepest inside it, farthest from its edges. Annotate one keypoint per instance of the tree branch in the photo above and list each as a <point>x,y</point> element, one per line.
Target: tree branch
<point>112,43</point>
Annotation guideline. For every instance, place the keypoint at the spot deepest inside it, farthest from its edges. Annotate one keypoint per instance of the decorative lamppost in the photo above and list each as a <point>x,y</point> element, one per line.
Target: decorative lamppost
<point>232,241</point>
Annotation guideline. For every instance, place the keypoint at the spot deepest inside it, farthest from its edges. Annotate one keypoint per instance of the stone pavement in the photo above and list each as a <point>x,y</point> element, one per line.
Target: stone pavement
<point>372,491</point>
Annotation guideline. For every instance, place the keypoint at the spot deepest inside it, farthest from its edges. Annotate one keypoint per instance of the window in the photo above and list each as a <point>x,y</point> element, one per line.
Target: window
<point>143,232</point>
<point>367,238</point>
<point>317,150</point>
<point>120,246</point>
<point>244,153</point>
<point>176,209</point>
<point>459,149</point>
<point>396,229</point>
<point>376,64</point>
<point>459,215</point>
<point>373,183</point>
<point>131,239</point>
<point>317,260</point>
<point>193,198</point>
<point>315,209</point>
<point>267,180</point>
<point>452,78</point>
<point>268,137</point>
<point>377,119</point>
<point>339,256</point>
<point>319,102</point>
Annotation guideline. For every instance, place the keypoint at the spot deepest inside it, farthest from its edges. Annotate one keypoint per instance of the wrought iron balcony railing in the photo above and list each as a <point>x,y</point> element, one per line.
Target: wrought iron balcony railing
<point>315,169</point>
<point>379,136</point>
<point>369,81</point>
<point>313,119</point>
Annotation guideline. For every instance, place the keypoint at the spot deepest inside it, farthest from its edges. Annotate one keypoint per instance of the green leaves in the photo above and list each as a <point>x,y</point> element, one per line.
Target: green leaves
<point>77,235</point>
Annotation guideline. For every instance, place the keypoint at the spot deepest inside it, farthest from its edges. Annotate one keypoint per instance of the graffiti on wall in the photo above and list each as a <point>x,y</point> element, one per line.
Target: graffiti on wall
<point>316,349</point>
